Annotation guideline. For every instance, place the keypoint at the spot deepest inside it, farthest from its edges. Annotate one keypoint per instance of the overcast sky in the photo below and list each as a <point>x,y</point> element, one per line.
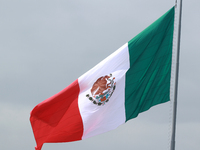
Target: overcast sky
<point>47,44</point>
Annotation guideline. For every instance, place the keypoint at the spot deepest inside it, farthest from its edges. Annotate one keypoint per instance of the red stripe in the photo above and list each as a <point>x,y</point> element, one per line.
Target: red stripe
<point>58,119</point>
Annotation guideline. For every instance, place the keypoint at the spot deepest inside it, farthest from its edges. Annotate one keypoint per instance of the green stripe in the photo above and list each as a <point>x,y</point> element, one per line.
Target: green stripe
<point>148,79</point>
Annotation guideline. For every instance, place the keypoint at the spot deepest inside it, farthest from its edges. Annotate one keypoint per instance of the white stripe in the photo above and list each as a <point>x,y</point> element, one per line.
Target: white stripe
<point>100,119</point>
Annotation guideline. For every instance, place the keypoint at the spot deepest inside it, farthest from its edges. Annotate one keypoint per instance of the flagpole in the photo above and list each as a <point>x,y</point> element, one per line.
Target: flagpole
<point>176,79</point>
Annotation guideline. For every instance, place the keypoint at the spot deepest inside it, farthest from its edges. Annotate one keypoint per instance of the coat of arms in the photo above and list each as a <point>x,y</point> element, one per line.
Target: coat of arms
<point>102,90</point>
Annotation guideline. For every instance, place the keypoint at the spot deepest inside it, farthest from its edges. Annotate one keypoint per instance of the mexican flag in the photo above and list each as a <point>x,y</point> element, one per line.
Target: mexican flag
<point>131,80</point>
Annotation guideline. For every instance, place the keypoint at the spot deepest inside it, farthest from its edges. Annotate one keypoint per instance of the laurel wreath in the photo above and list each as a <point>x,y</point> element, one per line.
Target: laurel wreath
<point>99,103</point>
